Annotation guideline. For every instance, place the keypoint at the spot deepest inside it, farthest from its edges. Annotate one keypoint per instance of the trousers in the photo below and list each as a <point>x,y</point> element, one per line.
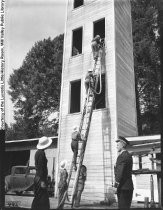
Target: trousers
<point>74,147</point>
<point>124,199</point>
<point>78,198</point>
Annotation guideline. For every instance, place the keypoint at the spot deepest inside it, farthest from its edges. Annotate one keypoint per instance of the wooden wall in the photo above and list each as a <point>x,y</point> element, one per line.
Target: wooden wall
<point>125,80</point>
<point>101,147</point>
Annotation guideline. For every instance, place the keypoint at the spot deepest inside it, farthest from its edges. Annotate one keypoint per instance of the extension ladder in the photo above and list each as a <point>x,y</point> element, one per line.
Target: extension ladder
<point>84,131</point>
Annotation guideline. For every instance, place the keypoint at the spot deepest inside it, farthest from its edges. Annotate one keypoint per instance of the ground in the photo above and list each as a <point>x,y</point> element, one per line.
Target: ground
<point>24,202</point>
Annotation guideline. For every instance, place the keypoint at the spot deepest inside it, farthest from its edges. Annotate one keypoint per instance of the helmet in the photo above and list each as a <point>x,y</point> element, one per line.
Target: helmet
<point>97,37</point>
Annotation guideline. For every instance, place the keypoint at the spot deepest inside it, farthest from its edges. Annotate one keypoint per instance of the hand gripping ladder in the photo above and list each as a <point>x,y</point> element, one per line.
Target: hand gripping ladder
<point>84,131</point>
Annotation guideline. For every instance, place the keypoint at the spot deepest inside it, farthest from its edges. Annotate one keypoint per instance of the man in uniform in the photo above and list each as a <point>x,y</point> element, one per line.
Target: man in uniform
<point>123,174</point>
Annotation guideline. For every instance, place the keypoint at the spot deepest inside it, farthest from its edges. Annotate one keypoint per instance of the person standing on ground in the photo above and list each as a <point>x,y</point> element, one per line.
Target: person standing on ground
<point>80,185</point>
<point>62,185</point>
<point>74,144</point>
<point>123,174</point>
<point>41,198</point>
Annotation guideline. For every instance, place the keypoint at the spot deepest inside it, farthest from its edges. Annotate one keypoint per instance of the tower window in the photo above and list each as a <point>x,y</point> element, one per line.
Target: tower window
<point>77,41</point>
<point>100,98</point>
<point>78,3</point>
<point>99,28</point>
<point>75,96</point>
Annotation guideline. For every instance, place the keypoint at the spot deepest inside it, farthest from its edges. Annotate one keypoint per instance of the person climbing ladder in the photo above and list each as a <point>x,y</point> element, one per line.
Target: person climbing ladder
<point>89,80</point>
<point>74,144</point>
<point>96,46</point>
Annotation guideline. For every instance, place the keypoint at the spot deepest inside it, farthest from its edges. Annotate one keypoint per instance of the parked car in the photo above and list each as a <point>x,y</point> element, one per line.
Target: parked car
<point>22,179</point>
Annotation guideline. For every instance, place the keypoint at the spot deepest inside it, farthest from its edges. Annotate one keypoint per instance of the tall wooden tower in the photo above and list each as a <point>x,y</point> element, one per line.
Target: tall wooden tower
<point>115,109</point>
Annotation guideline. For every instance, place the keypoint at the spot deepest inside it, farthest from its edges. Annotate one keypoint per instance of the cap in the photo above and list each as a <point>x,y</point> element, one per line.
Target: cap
<point>123,139</point>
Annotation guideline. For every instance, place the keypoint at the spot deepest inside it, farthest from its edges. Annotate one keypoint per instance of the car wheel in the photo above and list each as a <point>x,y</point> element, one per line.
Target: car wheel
<point>18,193</point>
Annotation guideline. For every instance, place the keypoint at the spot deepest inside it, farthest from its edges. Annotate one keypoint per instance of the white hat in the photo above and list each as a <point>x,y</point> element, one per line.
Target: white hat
<point>44,142</point>
<point>63,164</point>
<point>75,128</point>
<point>89,70</point>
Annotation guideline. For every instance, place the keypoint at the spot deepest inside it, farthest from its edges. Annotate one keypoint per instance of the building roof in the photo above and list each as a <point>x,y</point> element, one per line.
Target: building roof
<point>27,144</point>
<point>140,145</point>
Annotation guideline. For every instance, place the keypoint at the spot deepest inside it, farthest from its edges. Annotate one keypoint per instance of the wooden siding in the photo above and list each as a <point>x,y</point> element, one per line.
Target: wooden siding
<point>125,81</point>
<point>101,151</point>
<point>94,151</point>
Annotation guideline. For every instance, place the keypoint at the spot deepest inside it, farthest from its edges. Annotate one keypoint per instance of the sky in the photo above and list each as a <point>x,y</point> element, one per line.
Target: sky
<point>26,22</point>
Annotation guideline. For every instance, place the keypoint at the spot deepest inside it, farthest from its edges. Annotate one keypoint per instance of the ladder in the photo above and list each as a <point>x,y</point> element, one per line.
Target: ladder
<point>84,131</point>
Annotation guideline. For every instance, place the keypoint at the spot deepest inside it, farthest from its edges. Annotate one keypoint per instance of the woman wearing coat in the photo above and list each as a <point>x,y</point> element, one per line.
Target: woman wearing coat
<point>41,198</point>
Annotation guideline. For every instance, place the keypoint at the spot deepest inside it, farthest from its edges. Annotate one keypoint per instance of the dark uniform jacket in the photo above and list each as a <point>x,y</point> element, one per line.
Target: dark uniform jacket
<point>41,165</point>
<point>123,171</point>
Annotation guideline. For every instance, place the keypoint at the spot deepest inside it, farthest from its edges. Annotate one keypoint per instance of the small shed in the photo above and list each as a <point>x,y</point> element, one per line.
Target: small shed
<point>144,149</point>
<point>21,152</point>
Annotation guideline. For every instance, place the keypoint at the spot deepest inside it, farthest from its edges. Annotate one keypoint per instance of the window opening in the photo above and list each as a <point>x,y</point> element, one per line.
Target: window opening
<point>75,96</point>
<point>99,28</point>
<point>78,3</point>
<point>77,42</point>
<point>100,98</point>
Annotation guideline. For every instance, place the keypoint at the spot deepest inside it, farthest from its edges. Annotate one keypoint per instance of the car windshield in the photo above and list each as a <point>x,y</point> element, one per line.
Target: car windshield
<point>20,170</point>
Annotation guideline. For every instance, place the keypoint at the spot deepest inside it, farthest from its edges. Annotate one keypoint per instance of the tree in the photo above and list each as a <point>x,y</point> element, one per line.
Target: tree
<point>35,86</point>
<point>146,39</point>
<point>15,131</point>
